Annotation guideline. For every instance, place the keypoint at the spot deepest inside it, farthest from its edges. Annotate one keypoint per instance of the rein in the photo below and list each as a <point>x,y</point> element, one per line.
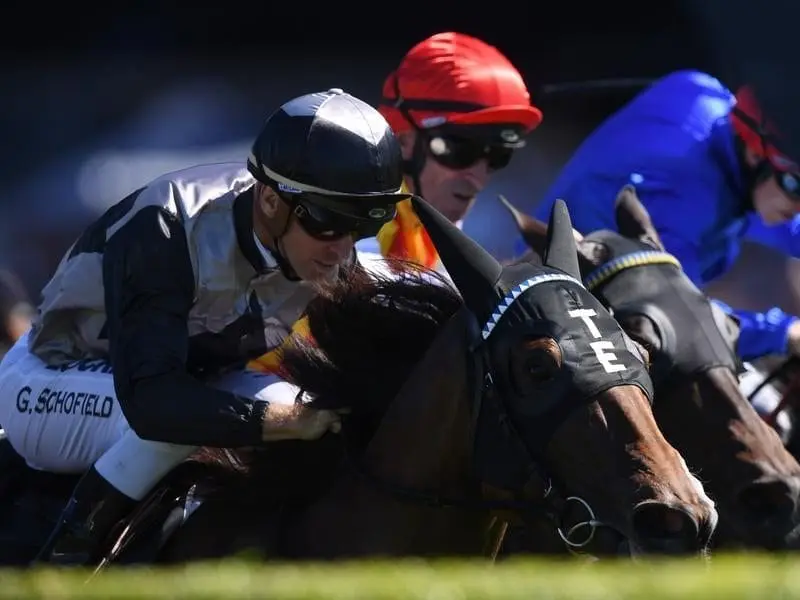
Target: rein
<point>779,372</point>
<point>791,364</point>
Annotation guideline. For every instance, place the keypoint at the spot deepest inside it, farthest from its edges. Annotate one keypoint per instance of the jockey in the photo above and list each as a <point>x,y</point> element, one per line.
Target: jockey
<point>198,271</point>
<point>460,109</point>
<point>710,170</point>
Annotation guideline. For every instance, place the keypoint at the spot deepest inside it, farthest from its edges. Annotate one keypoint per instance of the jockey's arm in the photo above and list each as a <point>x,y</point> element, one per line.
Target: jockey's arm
<point>785,237</point>
<point>149,291</point>
<point>761,333</point>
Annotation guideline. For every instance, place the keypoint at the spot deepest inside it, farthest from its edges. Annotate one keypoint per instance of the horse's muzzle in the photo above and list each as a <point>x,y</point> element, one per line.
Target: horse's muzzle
<point>661,528</point>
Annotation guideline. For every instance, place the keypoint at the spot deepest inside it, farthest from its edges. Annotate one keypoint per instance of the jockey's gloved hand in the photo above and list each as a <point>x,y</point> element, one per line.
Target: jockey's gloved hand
<point>297,422</point>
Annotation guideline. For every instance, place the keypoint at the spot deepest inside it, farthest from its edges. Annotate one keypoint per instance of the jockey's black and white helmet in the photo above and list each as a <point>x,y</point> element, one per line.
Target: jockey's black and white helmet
<point>332,150</point>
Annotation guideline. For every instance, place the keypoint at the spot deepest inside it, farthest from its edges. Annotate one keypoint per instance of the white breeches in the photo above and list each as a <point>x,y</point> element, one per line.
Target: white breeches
<point>67,419</point>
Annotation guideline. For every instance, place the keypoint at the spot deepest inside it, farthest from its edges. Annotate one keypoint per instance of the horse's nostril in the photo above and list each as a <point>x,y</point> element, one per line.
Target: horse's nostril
<point>666,528</point>
<point>766,500</point>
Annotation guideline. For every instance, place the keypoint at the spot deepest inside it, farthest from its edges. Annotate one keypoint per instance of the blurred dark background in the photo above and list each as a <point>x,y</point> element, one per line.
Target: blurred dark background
<point>99,98</point>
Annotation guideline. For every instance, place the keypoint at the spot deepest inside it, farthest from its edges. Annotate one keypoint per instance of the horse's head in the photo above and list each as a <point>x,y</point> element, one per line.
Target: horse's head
<point>564,393</point>
<point>690,340</point>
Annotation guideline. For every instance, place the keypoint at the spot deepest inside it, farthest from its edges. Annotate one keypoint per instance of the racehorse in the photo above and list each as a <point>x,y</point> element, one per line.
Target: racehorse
<point>699,406</point>
<point>467,405</point>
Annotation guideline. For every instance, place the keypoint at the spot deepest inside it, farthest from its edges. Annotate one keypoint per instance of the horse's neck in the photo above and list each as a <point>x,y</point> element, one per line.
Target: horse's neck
<point>423,446</point>
<point>695,427</point>
<point>423,439</point>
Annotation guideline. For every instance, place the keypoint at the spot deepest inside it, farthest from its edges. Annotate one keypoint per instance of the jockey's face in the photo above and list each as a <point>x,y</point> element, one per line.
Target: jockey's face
<point>773,203</point>
<point>451,191</point>
<point>773,197</point>
<point>314,259</point>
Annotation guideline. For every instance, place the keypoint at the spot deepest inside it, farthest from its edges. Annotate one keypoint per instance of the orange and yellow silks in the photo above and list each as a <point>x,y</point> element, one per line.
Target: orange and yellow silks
<point>405,238</point>
<point>271,361</point>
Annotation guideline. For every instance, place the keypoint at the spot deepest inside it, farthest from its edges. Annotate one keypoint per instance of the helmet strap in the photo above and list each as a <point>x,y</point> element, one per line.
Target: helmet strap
<point>283,262</point>
<point>413,167</point>
<point>419,154</point>
<point>277,228</point>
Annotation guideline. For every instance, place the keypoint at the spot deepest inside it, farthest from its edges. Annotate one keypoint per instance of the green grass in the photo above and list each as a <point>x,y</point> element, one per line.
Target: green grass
<point>729,578</point>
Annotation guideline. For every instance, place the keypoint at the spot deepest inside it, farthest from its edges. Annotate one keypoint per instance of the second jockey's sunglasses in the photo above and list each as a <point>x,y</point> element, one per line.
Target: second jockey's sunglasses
<point>462,147</point>
<point>461,153</point>
<point>328,219</point>
<point>789,183</point>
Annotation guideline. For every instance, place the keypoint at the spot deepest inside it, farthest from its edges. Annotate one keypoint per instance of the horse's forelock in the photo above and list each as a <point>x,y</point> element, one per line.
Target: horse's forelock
<point>369,331</point>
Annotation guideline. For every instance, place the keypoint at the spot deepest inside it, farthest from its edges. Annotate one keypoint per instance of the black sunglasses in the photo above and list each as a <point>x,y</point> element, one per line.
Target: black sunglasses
<point>790,183</point>
<point>327,219</point>
<point>459,153</point>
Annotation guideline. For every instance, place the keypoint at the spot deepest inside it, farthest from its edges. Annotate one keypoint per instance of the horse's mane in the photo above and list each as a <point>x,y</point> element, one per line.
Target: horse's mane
<point>368,330</point>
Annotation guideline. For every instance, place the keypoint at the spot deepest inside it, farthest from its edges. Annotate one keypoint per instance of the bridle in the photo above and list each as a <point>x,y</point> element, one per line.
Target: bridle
<point>790,366</point>
<point>553,504</point>
<point>615,266</point>
<point>660,369</point>
<point>688,315</point>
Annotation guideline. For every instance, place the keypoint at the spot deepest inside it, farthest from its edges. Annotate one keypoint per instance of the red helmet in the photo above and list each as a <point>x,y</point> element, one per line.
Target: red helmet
<point>455,79</point>
<point>758,133</point>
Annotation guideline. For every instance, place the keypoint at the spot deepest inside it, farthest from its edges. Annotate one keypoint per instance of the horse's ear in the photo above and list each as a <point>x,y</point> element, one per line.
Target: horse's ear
<point>561,252</point>
<point>633,220</point>
<point>532,230</point>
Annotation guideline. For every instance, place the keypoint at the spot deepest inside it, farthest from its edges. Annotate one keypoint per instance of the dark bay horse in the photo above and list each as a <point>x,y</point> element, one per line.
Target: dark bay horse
<point>699,406</point>
<point>504,398</point>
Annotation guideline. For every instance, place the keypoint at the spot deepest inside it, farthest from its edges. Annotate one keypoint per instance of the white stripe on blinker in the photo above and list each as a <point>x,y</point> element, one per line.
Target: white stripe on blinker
<point>516,292</point>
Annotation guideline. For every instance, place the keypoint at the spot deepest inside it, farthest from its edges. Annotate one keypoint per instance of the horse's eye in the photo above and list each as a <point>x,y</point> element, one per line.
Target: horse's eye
<point>537,362</point>
<point>541,365</point>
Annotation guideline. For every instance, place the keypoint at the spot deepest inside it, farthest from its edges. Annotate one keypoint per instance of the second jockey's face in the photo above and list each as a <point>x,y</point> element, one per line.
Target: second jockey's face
<point>771,200</point>
<point>450,191</point>
<point>774,204</point>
